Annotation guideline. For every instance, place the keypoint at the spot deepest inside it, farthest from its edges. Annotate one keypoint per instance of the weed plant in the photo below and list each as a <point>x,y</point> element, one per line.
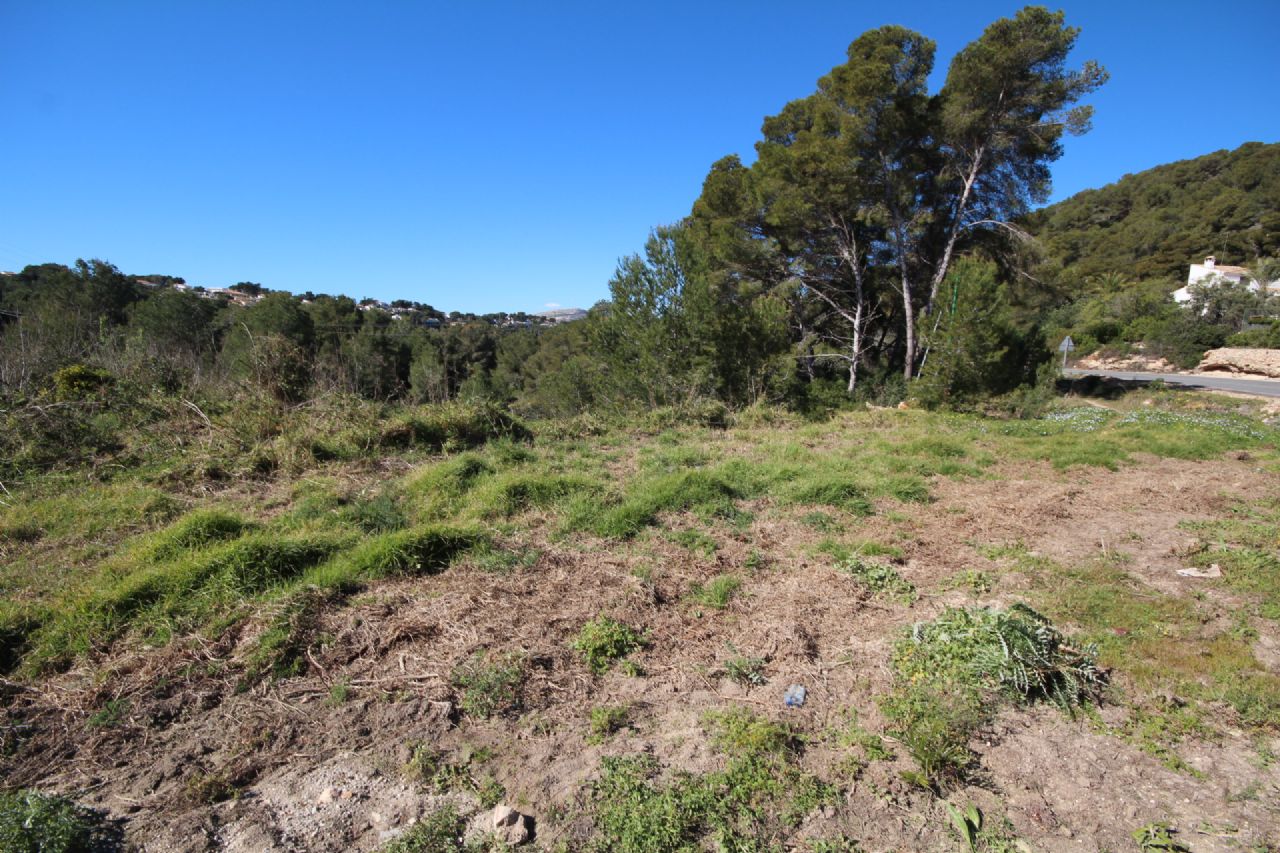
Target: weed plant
<point>879,577</point>
<point>33,822</point>
<point>489,686</point>
<point>602,642</point>
<point>753,803</point>
<point>606,720</point>
<point>948,670</point>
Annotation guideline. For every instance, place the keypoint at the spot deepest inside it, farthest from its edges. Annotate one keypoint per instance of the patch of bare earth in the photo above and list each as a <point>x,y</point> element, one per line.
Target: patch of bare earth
<point>194,764</point>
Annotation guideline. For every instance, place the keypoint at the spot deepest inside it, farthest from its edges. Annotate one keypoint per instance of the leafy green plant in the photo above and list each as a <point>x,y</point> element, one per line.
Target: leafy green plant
<point>967,823</point>
<point>1016,650</point>
<point>604,641</point>
<point>339,691</point>
<point>489,686</point>
<point>879,577</point>
<point>935,729</point>
<point>738,731</point>
<point>949,669</point>
<point>605,720</point>
<point>110,714</point>
<point>1159,836</point>
<point>33,822</point>
<point>744,670</point>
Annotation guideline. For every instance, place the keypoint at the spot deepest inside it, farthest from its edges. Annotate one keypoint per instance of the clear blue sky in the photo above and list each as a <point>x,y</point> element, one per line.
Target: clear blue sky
<point>486,156</point>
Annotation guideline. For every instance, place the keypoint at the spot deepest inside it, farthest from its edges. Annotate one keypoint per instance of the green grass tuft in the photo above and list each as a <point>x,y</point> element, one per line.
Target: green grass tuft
<point>717,592</point>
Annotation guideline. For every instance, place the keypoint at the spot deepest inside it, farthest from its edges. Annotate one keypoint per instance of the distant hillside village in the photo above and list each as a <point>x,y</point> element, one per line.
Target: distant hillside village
<point>247,293</point>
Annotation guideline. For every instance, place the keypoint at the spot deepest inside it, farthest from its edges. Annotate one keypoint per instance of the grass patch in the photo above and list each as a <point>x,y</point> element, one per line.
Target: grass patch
<point>439,832</point>
<point>717,592</point>
<point>1246,547</point>
<point>695,541</point>
<point>489,685</point>
<point>510,493</point>
<point>710,494</point>
<point>754,802</point>
<point>1160,643</point>
<point>452,426</point>
<point>607,720</point>
<point>434,770</point>
<point>281,649</point>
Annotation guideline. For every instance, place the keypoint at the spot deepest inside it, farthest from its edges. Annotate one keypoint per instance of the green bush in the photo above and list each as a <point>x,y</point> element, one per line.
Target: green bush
<point>949,670</point>
<point>80,382</point>
<point>453,426</point>
<point>32,822</point>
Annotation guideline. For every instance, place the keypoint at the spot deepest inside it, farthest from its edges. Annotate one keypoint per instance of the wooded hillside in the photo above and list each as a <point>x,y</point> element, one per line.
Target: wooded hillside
<point>1154,223</point>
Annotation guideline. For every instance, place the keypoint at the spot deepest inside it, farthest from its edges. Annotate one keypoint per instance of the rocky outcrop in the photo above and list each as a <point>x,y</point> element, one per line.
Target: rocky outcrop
<point>1243,361</point>
<point>1134,361</point>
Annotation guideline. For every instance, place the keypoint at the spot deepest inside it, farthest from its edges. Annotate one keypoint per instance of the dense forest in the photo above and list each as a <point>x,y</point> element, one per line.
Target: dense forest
<point>1151,225</point>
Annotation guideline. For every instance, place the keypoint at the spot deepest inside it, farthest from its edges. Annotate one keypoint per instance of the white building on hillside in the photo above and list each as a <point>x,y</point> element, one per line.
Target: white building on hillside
<point>1212,272</point>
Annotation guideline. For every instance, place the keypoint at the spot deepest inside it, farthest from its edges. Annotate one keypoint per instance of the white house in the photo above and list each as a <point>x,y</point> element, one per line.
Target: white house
<point>1212,272</point>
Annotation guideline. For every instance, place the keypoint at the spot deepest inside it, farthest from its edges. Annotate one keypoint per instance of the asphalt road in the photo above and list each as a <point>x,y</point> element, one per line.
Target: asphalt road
<point>1261,387</point>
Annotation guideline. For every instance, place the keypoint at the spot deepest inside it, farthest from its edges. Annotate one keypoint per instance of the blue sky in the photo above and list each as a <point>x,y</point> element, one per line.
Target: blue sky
<point>484,156</point>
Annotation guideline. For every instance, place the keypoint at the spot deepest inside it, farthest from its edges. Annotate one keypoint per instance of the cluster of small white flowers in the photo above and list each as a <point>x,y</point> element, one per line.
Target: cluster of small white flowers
<point>1080,418</point>
<point>1228,424</point>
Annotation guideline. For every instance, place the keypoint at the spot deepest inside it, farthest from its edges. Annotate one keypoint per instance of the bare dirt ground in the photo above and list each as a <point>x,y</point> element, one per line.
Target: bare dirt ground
<point>312,774</point>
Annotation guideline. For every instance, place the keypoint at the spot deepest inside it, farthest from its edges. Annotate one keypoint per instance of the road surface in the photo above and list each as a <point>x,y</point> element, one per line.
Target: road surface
<point>1261,387</point>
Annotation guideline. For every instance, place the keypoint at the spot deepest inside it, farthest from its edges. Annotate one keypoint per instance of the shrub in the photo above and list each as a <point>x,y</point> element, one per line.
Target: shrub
<point>1016,650</point>
<point>80,381</point>
<point>453,426</point>
<point>602,641</point>
<point>32,822</point>
<point>949,669</point>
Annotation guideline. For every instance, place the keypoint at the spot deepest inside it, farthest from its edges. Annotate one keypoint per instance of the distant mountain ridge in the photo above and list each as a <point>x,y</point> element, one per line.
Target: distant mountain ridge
<point>1154,223</point>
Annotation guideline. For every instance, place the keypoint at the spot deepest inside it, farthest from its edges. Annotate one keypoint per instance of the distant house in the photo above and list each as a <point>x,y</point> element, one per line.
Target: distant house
<point>1211,272</point>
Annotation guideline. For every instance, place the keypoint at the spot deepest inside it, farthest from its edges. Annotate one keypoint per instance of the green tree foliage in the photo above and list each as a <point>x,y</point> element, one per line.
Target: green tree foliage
<point>269,343</point>
<point>671,334</point>
<point>863,193</point>
<point>977,349</point>
<point>1153,224</point>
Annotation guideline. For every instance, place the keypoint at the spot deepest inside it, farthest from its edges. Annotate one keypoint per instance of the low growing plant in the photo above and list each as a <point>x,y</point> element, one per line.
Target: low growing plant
<point>604,641</point>
<point>489,686</point>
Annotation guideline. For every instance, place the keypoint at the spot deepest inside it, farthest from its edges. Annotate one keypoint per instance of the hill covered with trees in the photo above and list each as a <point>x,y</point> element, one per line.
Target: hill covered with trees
<point>1153,224</point>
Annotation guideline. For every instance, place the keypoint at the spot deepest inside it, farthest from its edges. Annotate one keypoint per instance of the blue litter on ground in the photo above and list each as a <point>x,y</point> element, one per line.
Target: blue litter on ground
<point>794,697</point>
